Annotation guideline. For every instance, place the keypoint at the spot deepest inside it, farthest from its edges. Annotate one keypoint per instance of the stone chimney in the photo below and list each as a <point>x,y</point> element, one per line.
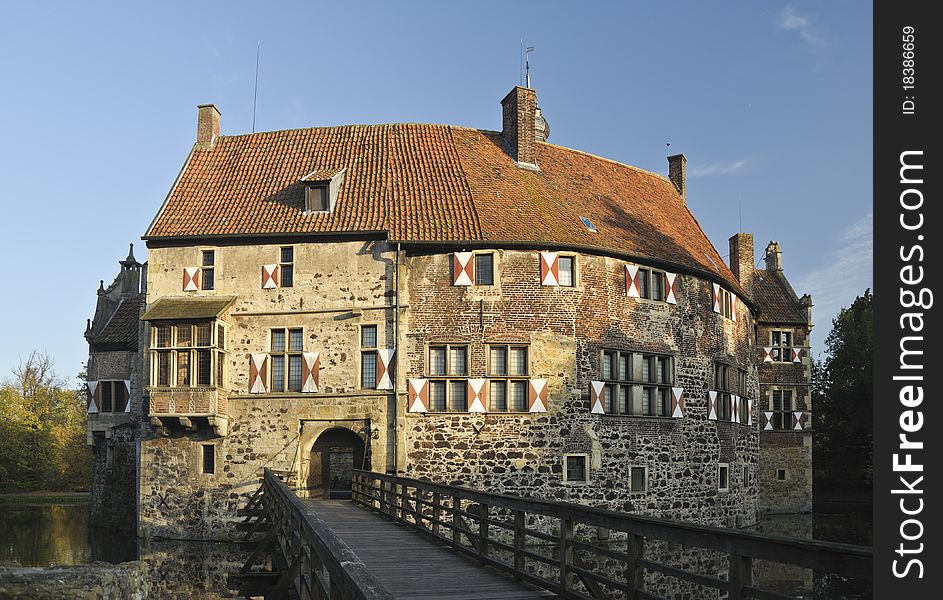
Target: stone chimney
<point>520,125</point>
<point>676,173</point>
<point>774,257</point>
<point>207,129</point>
<point>806,302</point>
<point>741,259</point>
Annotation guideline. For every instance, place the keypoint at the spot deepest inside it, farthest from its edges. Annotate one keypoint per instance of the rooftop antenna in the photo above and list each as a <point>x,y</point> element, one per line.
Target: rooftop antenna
<point>255,95</point>
<point>668,148</point>
<point>520,69</point>
<point>740,210</point>
<point>527,51</point>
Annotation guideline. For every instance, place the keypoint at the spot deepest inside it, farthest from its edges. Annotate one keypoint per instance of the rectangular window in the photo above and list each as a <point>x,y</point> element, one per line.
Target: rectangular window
<point>652,284</point>
<point>484,269</point>
<point>742,383</point>
<point>208,264</point>
<point>368,356</point>
<point>780,474</point>
<point>638,479</point>
<point>782,345</point>
<point>107,396</point>
<point>286,360</point>
<point>196,359</point>
<point>725,301</point>
<point>723,477</point>
<point>286,266</point>
<point>782,409</point>
<point>566,267</point>
<point>109,457</point>
<point>574,468</point>
<point>636,383</point>
<point>316,198</point>
<point>208,459</point>
<point>450,363</point>
<point>110,396</point>
<point>506,362</point>
<point>746,476</point>
<point>722,386</point>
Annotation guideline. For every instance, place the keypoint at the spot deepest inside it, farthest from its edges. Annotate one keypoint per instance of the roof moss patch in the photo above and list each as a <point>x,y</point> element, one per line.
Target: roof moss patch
<point>177,308</point>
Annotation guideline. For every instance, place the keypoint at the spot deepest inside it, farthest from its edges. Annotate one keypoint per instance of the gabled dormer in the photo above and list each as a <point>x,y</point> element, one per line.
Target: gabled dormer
<point>321,189</point>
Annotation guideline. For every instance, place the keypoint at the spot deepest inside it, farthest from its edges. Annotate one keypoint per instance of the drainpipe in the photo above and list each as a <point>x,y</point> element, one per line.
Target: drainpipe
<point>397,358</point>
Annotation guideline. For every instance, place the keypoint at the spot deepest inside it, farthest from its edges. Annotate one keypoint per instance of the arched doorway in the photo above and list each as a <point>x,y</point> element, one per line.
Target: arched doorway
<point>333,456</point>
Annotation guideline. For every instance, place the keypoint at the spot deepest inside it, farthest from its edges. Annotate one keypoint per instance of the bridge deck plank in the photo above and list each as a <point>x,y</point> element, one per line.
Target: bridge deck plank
<point>413,565</point>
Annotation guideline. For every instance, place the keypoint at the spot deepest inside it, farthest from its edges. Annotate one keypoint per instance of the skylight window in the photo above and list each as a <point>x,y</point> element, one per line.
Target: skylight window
<point>589,225</point>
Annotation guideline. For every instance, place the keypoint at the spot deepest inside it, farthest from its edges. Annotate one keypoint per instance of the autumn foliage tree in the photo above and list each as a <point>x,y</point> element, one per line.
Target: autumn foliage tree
<point>42,430</point>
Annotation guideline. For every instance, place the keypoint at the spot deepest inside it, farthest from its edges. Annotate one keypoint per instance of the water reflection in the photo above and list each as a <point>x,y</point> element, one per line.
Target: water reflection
<point>39,536</point>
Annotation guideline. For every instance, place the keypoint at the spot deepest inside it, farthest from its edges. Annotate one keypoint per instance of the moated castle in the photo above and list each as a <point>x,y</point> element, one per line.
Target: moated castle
<point>460,305</point>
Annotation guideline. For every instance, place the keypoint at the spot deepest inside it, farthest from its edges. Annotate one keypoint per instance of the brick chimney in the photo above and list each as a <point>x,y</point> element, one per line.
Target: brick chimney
<point>676,170</point>
<point>741,259</point>
<point>519,126</point>
<point>774,257</point>
<point>207,128</point>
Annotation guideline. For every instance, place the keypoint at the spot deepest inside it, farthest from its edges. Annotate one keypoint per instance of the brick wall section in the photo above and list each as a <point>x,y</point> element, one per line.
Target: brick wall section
<point>566,328</point>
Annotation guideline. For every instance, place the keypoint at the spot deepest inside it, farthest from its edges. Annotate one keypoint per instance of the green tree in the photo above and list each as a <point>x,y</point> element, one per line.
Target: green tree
<point>843,400</point>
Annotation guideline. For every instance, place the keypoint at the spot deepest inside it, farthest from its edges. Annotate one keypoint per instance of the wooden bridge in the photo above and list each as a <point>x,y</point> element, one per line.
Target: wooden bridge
<point>404,538</point>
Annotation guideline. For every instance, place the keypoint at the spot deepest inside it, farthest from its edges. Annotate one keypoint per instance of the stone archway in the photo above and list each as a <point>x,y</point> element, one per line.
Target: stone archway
<point>333,455</point>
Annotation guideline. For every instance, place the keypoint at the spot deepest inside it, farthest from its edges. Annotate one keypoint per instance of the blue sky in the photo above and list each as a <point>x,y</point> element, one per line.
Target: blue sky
<point>770,101</point>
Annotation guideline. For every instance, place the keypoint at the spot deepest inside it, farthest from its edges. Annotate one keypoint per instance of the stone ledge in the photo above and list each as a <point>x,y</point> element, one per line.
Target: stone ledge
<point>96,581</point>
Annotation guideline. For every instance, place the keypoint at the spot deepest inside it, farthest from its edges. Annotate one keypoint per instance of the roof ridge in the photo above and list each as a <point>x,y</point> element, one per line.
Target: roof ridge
<point>604,159</point>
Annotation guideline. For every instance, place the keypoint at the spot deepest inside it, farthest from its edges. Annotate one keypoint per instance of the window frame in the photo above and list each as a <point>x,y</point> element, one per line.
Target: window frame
<point>566,468</point>
<point>208,283</point>
<point>366,351</point>
<point>205,450</point>
<point>632,469</point>
<point>286,267</point>
<point>779,415</point>
<point>216,347</point>
<point>781,353</point>
<point>723,473</point>
<point>448,379</point>
<point>573,270</point>
<point>724,394</point>
<point>657,405</point>
<point>287,354</point>
<point>479,255</point>
<point>507,379</point>
<point>323,192</point>
<point>647,288</point>
<point>785,474</point>
<point>113,386</point>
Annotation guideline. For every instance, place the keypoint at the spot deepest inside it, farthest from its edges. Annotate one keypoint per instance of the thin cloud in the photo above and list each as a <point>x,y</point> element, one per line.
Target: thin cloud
<point>790,20</point>
<point>736,167</point>
<point>846,274</point>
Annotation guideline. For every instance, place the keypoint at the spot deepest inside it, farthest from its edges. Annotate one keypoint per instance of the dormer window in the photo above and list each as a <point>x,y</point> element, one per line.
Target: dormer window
<point>321,189</point>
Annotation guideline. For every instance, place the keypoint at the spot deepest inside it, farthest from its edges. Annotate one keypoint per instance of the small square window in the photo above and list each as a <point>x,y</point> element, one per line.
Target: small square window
<point>208,459</point>
<point>574,468</point>
<point>780,474</point>
<point>723,477</point>
<point>484,269</point>
<point>566,266</point>
<point>316,198</point>
<point>368,336</point>
<point>638,479</point>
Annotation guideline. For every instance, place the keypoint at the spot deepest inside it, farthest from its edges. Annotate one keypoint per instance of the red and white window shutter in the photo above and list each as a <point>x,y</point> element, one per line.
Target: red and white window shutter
<point>310,372</point>
<point>418,395</point>
<point>549,269</point>
<point>191,278</point>
<point>477,395</point>
<point>91,388</point>
<point>270,276</point>
<point>537,395</point>
<point>633,281</point>
<point>766,423</point>
<point>733,307</point>
<point>712,405</point>
<point>385,360</point>
<point>678,409</point>
<point>463,268</point>
<point>258,373</point>
<point>796,355</point>
<point>799,418</point>
<point>716,288</point>
<point>127,395</point>
<point>749,411</point>
<point>767,355</point>
<point>596,397</point>
<point>734,408</point>
<point>671,288</point>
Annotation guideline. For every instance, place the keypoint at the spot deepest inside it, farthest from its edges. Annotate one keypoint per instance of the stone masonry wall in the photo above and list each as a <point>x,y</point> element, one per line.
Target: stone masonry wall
<point>566,329</point>
<point>789,450</point>
<point>274,430</point>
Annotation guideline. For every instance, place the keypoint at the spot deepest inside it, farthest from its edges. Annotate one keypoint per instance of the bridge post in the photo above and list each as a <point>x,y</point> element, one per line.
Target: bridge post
<point>566,552</point>
<point>740,575</point>
<point>483,511</point>
<point>436,505</point>
<point>634,574</point>
<point>518,543</point>
<point>456,520</point>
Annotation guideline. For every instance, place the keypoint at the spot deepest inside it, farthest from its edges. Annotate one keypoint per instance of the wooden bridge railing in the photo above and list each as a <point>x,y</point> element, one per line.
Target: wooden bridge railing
<point>317,564</point>
<point>508,532</point>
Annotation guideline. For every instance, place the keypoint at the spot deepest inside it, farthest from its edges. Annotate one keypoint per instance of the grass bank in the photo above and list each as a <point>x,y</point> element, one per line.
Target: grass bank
<point>44,498</point>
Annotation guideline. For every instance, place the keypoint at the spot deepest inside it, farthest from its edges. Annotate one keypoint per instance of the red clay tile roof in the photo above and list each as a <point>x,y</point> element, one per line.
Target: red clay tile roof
<point>434,183</point>
<point>776,299</point>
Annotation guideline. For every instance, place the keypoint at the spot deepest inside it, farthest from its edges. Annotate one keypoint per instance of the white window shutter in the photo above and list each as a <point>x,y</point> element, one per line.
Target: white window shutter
<point>677,402</point>
<point>191,278</point>
<point>463,268</point>
<point>258,373</point>
<point>310,372</point>
<point>418,395</point>
<point>712,405</point>
<point>537,395</point>
<point>671,288</point>
<point>385,369</point>
<point>596,397</point>
<point>477,395</point>
<point>270,276</point>
<point>92,391</point>
<point>549,269</point>
<point>632,283</point>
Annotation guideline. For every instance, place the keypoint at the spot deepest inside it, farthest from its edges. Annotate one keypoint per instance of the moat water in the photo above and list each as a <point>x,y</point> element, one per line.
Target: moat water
<point>59,534</point>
